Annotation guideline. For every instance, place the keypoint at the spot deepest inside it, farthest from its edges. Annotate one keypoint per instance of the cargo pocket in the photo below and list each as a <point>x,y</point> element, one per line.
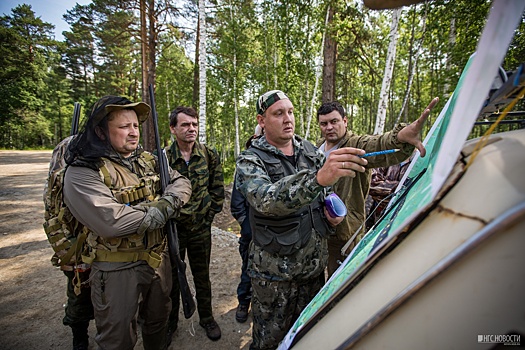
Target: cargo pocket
<point>282,236</point>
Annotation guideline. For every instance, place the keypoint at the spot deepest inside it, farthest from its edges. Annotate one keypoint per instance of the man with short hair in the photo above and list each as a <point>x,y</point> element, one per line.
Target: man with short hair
<point>284,179</point>
<point>111,186</point>
<point>354,190</point>
<point>202,165</point>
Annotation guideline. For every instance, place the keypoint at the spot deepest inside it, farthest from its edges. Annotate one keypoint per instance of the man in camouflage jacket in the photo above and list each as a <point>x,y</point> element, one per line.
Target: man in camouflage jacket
<point>353,191</point>
<point>284,178</point>
<point>202,166</point>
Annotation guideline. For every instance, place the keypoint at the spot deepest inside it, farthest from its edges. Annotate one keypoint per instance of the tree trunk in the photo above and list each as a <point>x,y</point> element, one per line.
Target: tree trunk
<point>237,148</point>
<point>144,49</point>
<point>202,71</point>
<point>275,56</point>
<point>195,95</point>
<point>148,34</point>
<point>389,67</point>
<point>329,62</point>
<point>147,126</point>
<point>412,65</point>
<point>451,43</point>
<point>318,64</point>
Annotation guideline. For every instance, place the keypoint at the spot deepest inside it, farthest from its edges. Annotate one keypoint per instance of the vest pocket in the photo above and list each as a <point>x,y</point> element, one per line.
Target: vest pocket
<point>282,236</point>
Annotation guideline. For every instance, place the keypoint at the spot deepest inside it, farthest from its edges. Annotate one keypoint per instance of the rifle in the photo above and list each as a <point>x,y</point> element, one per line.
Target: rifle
<point>76,118</point>
<point>188,304</point>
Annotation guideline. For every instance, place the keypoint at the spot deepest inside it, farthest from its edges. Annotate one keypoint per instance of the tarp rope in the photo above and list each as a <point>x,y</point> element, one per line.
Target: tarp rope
<point>483,140</point>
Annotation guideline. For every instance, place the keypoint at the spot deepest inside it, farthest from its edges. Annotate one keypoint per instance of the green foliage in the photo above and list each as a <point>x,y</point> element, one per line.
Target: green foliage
<point>174,79</point>
<point>253,46</point>
<point>27,49</point>
<point>228,169</point>
<point>516,54</point>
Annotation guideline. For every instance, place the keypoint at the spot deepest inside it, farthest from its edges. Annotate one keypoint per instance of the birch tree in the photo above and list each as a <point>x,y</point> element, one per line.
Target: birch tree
<point>202,71</point>
<point>329,14</point>
<point>237,148</point>
<point>387,77</point>
<point>412,63</point>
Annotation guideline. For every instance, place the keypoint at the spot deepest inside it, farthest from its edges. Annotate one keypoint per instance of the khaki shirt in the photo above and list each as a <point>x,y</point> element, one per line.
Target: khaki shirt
<point>94,205</point>
<point>353,191</point>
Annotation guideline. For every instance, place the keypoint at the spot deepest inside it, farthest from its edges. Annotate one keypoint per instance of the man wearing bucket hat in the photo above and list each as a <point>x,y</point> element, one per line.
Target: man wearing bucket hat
<point>111,186</point>
<point>284,180</point>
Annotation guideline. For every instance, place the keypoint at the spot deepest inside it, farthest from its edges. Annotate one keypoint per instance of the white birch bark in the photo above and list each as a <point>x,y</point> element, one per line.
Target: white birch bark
<point>202,71</point>
<point>413,70</point>
<point>318,72</point>
<point>451,43</point>
<point>389,67</point>
<point>237,148</point>
<point>275,59</point>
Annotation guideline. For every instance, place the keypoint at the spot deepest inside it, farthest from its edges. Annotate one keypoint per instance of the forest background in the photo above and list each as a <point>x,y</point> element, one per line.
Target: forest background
<point>220,55</point>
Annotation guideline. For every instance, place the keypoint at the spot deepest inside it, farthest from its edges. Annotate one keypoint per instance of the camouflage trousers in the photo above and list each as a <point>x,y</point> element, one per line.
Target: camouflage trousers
<point>197,245</point>
<point>244,289</point>
<point>276,305</point>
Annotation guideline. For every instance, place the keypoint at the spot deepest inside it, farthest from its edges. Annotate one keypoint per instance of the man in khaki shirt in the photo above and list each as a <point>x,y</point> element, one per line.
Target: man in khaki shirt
<point>354,190</point>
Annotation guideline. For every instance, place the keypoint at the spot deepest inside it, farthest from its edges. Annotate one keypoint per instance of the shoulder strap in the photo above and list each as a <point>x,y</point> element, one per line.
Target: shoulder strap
<point>264,156</point>
<point>309,147</point>
<point>148,157</point>
<point>148,161</point>
<point>272,164</point>
<point>105,172</point>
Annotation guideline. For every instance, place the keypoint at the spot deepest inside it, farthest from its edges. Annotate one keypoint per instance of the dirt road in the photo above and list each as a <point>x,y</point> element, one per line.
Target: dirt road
<point>32,291</point>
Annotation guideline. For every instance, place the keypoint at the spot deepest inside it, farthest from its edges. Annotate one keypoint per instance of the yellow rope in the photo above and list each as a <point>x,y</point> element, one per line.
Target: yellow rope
<point>483,140</point>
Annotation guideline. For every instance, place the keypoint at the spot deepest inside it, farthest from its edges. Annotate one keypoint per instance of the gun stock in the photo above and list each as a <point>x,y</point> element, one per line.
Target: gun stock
<point>188,303</point>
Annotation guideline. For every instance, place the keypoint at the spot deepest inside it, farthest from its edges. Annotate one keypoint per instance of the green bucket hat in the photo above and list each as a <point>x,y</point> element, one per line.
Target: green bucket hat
<point>108,104</point>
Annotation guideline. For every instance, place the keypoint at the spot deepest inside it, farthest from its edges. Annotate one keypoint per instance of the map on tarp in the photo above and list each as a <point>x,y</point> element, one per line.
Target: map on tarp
<point>443,143</point>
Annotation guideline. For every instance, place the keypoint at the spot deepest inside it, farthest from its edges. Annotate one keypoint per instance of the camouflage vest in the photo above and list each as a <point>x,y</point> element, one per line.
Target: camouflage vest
<point>284,235</point>
<point>130,189</point>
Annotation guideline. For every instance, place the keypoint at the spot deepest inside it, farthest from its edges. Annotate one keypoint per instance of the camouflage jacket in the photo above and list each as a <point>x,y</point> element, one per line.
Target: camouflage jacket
<point>354,190</point>
<point>204,170</point>
<point>283,197</point>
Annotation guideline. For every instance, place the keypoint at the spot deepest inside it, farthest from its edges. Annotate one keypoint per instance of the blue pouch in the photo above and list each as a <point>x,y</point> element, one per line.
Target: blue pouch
<point>335,205</point>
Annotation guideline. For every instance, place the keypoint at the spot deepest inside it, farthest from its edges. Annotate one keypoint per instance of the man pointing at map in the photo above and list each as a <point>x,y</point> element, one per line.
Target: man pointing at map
<point>354,190</point>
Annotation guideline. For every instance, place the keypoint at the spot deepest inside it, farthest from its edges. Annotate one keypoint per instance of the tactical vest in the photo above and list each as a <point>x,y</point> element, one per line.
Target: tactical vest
<point>284,235</point>
<point>130,189</point>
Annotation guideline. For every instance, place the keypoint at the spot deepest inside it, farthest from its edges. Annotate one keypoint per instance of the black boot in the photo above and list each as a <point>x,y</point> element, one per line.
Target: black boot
<point>80,336</point>
<point>171,328</point>
<point>156,341</point>
<point>169,334</point>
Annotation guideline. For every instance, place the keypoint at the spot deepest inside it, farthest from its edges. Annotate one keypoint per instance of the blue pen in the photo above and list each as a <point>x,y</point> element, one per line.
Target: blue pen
<point>380,153</point>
